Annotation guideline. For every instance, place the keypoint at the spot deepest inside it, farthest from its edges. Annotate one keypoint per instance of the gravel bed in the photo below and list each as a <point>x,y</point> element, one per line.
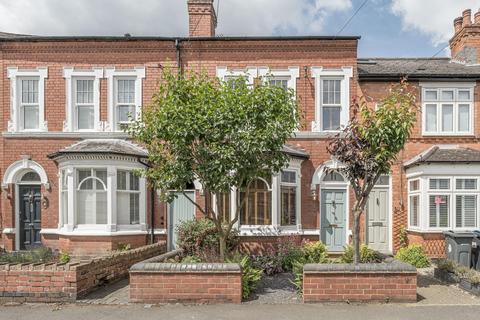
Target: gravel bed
<point>276,289</point>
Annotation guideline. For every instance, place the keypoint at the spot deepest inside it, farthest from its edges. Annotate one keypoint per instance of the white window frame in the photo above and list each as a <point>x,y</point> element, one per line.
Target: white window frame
<point>425,192</point>
<point>15,75</point>
<point>113,75</point>
<point>71,75</point>
<point>129,191</point>
<point>290,74</point>
<point>455,87</point>
<point>250,73</point>
<point>69,168</point>
<point>344,74</point>
<point>414,193</point>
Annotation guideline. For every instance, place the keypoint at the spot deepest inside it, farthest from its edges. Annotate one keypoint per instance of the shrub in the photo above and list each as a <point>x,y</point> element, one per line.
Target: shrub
<point>64,257</point>
<point>199,236</point>
<point>39,255</point>
<point>250,274</point>
<point>123,247</point>
<point>312,252</point>
<point>289,251</point>
<point>403,237</point>
<point>315,252</point>
<point>270,262</point>
<point>367,255</point>
<point>414,255</point>
<point>460,271</point>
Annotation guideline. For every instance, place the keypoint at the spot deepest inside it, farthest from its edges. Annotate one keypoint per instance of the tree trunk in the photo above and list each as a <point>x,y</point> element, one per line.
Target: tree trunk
<point>356,236</point>
<point>223,246</point>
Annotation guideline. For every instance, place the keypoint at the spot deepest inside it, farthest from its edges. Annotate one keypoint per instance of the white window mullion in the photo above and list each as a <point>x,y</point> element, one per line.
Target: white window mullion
<point>111,198</point>
<point>275,201</point>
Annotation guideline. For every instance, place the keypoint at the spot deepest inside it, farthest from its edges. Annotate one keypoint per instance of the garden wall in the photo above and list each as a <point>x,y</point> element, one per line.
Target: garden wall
<point>394,281</point>
<point>154,281</point>
<point>56,282</point>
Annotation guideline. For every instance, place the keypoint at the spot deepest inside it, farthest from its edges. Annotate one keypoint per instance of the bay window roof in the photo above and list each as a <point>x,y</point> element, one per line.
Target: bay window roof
<point>439,154</point>
<point>102,146</point>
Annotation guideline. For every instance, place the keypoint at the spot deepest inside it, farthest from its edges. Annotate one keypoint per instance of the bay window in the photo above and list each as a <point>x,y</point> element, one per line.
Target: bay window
<point>449,203</point>
<point>92,196</point>
<point>104,198</point>
<point>271,207</point>
<point>288,198</point>
<point>447,110</point>
<point>128,198</point>
<point>257,209</point>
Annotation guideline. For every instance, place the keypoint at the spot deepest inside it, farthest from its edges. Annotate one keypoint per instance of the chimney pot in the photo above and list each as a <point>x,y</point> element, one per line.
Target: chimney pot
<point>467,17</point>
<point>457,23</point>
<point>477,17</point>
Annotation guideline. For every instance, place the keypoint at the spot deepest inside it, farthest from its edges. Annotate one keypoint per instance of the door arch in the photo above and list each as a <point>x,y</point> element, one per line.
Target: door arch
<point>333,203</point>
<point>25,178</point>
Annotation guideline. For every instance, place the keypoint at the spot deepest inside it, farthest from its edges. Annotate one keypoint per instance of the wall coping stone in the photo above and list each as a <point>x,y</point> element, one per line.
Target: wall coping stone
<point>393,267</point>
<point>157,264</point>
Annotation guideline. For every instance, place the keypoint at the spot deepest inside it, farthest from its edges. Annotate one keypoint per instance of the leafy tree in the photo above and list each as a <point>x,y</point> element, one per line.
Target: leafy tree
<point>222,134</point>
<point>369,145</point>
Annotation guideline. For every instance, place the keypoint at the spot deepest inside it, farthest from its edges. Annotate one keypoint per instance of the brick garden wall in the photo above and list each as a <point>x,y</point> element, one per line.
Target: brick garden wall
<point>365,282</point>
<point>156,282</point>
<point>66,282</point>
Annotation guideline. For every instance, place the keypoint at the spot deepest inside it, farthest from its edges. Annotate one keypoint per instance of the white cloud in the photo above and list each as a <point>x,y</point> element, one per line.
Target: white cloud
<point>433,18</point>
<point>163,17</point>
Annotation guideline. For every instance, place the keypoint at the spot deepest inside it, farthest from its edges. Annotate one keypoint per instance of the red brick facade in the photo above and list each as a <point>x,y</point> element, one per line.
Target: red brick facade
<point>200,54</point>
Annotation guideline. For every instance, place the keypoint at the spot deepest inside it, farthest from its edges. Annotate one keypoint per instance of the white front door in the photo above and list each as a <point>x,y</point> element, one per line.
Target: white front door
<point>378,221</point>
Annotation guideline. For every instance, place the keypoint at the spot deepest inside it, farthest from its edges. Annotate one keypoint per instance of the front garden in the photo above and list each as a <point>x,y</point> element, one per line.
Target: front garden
<point>196,272</point>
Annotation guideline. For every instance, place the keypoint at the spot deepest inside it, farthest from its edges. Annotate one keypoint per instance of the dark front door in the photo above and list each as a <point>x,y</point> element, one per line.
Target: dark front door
<point>30,216</point>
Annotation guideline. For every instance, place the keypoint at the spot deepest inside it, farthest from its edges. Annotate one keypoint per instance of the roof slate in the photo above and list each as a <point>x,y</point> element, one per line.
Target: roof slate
<point>420,68</point>
<point>295,151</point>
<point>445,155</point>
<point>113,146</point>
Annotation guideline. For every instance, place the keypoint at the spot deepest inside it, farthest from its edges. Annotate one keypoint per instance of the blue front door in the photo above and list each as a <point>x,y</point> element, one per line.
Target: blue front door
<point>333,219</point>
<point>181,209</point>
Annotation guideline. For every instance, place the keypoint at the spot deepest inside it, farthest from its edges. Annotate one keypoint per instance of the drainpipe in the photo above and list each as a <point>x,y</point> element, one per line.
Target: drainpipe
<point>179,57</point>
<point>152,216</point>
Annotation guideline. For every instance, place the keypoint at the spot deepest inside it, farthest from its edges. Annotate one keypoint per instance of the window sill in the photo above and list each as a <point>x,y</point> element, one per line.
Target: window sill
<point>450,134</point>
<point>268,231</point>
<point>67,135</point>
<point>95,233</point>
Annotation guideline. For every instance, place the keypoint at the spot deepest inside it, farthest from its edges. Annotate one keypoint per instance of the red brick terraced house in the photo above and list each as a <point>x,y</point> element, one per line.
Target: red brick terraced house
<point>66,163</point>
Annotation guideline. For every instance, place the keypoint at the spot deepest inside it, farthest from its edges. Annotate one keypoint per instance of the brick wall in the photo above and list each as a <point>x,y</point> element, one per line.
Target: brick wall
<point>365,282</point>
<point>67,282</point>
<point>155,282</point>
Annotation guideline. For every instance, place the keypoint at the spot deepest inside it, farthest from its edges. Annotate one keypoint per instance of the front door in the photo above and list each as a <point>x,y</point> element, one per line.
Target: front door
<point>30,216</point>
<point>181,209</point>
<point>378,219</point>
<point>333,219</point>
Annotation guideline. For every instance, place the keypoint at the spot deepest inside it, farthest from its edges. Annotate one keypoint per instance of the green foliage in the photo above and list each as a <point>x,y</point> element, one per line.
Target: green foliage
<point>250,274</point>
<point>289,252</point>
<point>191,259</point>
<point>414,255</point>
<point>123,247</point>
<point>221,134</point>
<point>200,238</point>
<point>403,237</point>
<point>369,145</point>
<point>367,255</point>
<point>280,257</point>
<point>269,262</point>
<point>315,252</point>
<point>40,255</point>
<point>64,257</point>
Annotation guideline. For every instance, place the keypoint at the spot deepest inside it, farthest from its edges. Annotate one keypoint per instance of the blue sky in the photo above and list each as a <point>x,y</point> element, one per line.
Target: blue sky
<point>389,28</point>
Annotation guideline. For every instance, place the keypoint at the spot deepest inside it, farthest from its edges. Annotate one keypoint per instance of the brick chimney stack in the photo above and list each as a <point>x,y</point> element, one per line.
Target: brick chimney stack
<point>465,43</point>
<point>202,18</point>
